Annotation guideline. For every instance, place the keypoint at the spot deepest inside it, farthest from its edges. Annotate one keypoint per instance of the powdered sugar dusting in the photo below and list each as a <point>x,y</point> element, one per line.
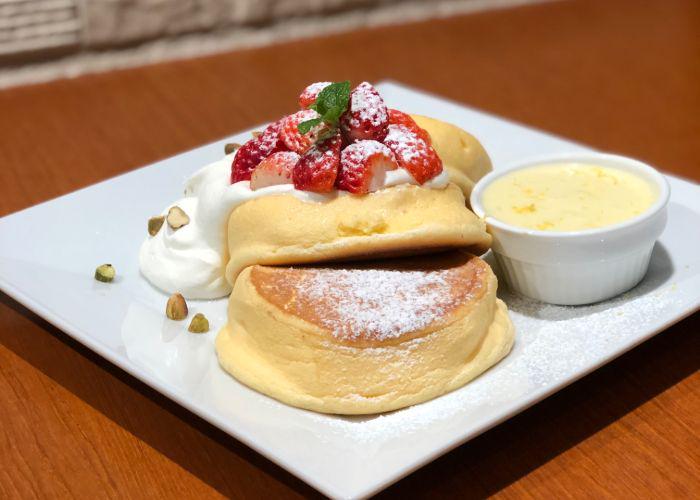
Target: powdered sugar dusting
<point>295,140</point>
<point>553,344</point>
<point>314,89</point>
<point>269,139</point>
<point>413,153</point>
<point>404,143</point>
<point>324,153</point>
<point>372,304</point>
<point>363,166</point>
<point>367,106</point>
<point>254,151</point>
<point>377,303</point>
<point>358,151</point>
<point>310,93</point>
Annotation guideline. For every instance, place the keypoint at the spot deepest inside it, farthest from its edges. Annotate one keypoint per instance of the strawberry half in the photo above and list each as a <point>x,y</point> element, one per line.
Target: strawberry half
<point>366,117</point>
<point>397,117</point>
<point>363,166</point>
<point>413,153</point>
<point>317,169</point>
<point>254,151</point>
<point>309,94</point>
<point>275,169</point>
<point>295,140</point>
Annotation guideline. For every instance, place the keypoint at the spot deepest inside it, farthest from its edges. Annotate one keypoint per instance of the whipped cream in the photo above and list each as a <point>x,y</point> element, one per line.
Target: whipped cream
<point>401,176</point>
<point>192,260</point>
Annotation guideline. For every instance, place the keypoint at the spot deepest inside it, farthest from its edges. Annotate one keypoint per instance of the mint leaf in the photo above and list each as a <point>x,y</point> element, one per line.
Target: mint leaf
<point>332,101</point>
<point>305,126</point>
<point>330,104</point>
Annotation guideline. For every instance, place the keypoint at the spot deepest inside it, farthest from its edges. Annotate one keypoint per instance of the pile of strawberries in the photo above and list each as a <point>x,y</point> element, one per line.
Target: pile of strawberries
<point>369,140</point>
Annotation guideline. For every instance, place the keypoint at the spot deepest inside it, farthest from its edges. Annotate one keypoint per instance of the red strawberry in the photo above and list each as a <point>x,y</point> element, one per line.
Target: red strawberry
<point>254,151</point>
<point>366,117</point>
<point>397,117</point>
<point>413,153</point>
<point>318,167</point>
<point>273,170</point>
<point>363,166</point>
<point>295,140</point>
<point>310,93</point>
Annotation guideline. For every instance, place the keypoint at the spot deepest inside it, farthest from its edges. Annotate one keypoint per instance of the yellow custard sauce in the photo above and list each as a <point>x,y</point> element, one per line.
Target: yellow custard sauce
<point>568,197</point>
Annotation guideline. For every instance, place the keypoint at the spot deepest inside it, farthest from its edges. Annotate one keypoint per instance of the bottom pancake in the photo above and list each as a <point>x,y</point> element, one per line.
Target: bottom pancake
<point>364,338</point>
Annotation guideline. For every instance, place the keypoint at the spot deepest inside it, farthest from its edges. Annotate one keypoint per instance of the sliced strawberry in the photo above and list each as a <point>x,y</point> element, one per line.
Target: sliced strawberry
<point>397,117</point>
<point>363,166</point>
<point>413,153</point>
<point>254,151</point>
<point>295,140</point>
<point>275,169</point>
<point>317,169</point>
<point>310,93</point>
<point>366,117</point>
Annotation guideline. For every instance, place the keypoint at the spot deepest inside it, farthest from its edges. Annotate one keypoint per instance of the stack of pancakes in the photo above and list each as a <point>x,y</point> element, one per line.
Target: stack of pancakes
<point>383,308</point>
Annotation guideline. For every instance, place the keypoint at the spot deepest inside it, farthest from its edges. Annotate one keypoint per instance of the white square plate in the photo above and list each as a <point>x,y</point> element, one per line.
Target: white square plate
<point>48,254</point>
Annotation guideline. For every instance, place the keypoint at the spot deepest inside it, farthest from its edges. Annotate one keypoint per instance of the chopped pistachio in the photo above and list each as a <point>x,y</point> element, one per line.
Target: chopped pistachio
<point>177,217</point>
<point>154,224</point>
<point>105,273</point>
<point>199,324</point>
<point>176,308</point>
<point>231,147</point>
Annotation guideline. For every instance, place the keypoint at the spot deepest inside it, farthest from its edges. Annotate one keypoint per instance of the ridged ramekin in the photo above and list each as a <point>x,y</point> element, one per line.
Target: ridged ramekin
<point>577,267</point>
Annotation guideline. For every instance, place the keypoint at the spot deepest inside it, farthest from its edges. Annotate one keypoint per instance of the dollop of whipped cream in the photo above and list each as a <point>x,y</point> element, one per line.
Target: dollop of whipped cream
<point>192,260</point>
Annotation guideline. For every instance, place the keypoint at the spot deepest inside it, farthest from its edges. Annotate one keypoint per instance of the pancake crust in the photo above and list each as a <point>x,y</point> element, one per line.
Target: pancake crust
<point>400,220</point>
<point>366,338</point>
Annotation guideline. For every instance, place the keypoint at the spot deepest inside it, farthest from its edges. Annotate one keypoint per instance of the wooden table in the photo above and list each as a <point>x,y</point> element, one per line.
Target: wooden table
<point>621,76</point>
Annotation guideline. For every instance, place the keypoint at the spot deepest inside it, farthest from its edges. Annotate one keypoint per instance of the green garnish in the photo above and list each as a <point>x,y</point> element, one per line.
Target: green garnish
<point>330,104</point>
<point>305,126</point>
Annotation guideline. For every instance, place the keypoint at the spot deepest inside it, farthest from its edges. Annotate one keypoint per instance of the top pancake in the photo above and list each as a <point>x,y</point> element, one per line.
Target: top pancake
<point>377,303</point>
<point>396,221</point>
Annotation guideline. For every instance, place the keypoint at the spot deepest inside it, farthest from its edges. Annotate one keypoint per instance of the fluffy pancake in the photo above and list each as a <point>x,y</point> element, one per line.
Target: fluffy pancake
<point>399,220</point>
<point>462,155</point>
<point>364,338</point>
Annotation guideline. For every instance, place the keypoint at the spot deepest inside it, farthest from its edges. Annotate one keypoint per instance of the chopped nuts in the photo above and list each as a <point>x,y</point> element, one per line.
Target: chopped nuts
<point>231,147</point>
<point>105,273</point>
<point>176,307</point>
<point>177,217</point>
<point>255,133</point>
<point>154,224</point>
<point>199,324</point>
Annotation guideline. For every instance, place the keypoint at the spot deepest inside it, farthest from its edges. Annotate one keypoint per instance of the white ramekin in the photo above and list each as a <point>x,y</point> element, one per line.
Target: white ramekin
<point>577,267</point>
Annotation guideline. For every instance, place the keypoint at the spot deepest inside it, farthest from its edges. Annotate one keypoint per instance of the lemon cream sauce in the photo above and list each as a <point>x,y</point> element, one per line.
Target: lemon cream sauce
<point>568,197</point>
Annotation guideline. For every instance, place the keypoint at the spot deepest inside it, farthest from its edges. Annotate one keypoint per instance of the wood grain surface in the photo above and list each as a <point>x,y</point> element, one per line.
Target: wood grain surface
<point>622,76</point>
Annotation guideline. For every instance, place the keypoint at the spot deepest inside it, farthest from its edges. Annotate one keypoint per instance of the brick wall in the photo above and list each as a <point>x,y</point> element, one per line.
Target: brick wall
<point>35,27</point>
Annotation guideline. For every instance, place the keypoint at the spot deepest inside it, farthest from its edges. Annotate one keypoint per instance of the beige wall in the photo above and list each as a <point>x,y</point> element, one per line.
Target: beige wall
<point>46,39</point>
<point>30,29</point>
<point>111,22</point>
